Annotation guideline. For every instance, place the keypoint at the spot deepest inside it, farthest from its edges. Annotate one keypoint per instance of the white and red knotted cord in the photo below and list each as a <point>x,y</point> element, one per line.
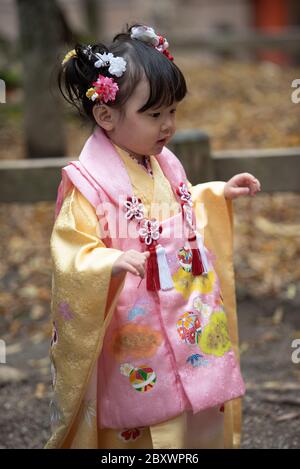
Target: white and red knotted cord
<point>199,259</point>
<point>158,275</point>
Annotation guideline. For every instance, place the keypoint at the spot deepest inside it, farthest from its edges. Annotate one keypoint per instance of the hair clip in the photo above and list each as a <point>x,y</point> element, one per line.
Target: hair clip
<point>88,50</point>
<point>68,56</point>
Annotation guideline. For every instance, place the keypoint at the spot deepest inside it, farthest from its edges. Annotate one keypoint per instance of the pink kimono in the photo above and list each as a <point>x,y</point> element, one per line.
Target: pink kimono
<point>167,348</point>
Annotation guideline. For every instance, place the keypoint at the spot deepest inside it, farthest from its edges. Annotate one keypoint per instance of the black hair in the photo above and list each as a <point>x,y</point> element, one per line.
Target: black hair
<point>166,81</point>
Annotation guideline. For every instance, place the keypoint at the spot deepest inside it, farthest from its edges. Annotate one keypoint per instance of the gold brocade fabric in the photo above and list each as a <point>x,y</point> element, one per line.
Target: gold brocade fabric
<point>84,296</point>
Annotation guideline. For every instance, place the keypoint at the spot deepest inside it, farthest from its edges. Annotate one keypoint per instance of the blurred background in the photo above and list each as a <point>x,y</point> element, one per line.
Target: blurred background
<point>241,60</point>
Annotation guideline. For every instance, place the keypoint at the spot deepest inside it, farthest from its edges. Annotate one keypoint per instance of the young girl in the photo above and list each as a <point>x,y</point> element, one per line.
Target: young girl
<point>144,352</point>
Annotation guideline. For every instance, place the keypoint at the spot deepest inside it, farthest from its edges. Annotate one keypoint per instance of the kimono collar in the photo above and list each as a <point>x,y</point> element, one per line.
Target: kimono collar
<point>105,166</point>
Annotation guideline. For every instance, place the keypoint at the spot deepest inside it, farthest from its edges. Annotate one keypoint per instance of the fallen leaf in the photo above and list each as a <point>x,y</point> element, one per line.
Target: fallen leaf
<point>40,391</point>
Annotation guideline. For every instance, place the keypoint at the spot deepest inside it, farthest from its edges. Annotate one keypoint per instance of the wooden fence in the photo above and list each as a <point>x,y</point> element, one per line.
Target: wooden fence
<point>278,170</point>
<point>248,40</point>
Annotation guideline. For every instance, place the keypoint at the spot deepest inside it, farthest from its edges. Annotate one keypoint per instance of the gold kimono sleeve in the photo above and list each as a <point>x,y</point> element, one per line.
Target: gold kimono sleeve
<point>83,298</point>
<point>214,214</point>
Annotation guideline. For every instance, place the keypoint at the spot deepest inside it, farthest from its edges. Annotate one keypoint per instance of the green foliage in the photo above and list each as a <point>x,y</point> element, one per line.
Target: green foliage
<point>11,77</point>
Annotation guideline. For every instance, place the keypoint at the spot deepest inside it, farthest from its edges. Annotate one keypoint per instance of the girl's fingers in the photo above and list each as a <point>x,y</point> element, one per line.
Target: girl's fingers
<point>258,184</point>
<point>129,268</point>
<point>237,191</point>
<point>136,264</point>
<point>245,184</point>
<point>255,187</point>
<point>139,256</point>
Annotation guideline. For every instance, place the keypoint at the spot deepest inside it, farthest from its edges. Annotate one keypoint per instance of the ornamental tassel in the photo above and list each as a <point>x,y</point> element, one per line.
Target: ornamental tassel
<point>203,254</point>
<point>152,280</point>
<point>199,259</point>
<point>165,278</point>
<point>197,266</point>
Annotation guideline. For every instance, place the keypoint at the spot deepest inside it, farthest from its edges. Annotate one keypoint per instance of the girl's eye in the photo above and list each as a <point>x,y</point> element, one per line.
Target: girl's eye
<point>157,114</point>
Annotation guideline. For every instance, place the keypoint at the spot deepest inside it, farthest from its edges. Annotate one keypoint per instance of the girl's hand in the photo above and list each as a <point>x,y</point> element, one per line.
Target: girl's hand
<point>241,184</point>
<point>131,261</point>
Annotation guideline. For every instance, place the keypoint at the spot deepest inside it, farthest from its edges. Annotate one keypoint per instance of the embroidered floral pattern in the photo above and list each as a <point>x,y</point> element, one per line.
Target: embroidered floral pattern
<point>132,341</point>
<point>185,258</point>
<point>89,411</point>
<point>135,312</point>
<point>185,283</point>
<point>53,373</point>
<point>141,307</point>
<point>150,231</point>
<point>189,328</point>
<point>215,337</point>
<point>55,413</point>
<point>65,311</point>
<point>199,306</point>
<point>134,208</point>
<point>142,379</point>
<point>130,434</point>
<point>197,360</point>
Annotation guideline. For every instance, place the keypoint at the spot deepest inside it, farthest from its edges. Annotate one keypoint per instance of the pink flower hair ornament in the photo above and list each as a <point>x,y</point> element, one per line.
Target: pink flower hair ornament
<point>103,90</point>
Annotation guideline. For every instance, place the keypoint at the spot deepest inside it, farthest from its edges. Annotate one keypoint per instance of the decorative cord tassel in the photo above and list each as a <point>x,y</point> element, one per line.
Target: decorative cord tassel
<point>165,278</point>
<point>199,260</point>
<point>152,280</point>
<point>197,266</point>
<point>203,254</point>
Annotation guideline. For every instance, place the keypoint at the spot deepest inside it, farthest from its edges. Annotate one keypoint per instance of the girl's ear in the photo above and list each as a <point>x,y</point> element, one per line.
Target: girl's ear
<point>104,116</point>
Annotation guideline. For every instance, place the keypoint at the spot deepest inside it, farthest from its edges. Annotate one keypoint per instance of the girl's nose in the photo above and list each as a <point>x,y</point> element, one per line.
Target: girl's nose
<point>167,125</point>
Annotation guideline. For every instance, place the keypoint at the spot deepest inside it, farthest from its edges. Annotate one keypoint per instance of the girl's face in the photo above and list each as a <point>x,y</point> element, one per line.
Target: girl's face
<point>143,133</point>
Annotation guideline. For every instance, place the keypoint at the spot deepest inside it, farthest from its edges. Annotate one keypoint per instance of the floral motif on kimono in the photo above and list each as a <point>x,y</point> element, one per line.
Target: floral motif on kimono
<point>215,337</point>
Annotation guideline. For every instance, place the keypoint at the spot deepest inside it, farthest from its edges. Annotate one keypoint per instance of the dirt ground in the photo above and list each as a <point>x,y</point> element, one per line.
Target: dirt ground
<point>271,407</point>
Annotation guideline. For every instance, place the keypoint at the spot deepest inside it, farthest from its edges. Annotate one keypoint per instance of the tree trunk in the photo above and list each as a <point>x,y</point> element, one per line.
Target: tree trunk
<point>40,38</point>
<point>94,11</point>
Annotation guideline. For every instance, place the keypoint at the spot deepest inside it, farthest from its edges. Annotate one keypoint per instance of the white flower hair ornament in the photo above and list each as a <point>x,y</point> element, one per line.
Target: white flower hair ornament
<point>105,88</point>
<point>117,65</point>
<point>147,34</point>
